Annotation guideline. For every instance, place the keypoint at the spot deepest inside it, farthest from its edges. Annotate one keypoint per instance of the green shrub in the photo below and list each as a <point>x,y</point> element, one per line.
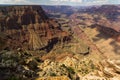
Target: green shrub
<point>13,78</point>
<point>70,70</point>
<point>53,74</point>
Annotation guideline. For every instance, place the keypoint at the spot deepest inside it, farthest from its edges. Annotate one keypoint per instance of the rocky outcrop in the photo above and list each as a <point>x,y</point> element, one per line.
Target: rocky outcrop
<point>54,78</point>
<point>71,67</point>
<point>112,67</point>
<point>23,65</point>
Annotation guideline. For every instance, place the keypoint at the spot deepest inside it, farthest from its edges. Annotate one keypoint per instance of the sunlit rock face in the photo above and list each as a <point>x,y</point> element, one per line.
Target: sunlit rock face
<point>28,27</point>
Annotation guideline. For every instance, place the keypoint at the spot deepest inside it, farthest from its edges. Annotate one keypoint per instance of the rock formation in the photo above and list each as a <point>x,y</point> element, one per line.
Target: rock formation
<point>28,27</point>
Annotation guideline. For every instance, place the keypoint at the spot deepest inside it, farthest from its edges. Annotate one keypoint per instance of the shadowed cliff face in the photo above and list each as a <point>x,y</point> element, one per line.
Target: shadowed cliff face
<point>28,27</point>
<point>15,16</point>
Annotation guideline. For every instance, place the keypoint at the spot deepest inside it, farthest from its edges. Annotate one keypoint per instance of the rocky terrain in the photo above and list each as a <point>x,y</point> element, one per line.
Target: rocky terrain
<point>30,43</point>
<point>82,45</point>
<point>28,27</point>
<point>98,26</point>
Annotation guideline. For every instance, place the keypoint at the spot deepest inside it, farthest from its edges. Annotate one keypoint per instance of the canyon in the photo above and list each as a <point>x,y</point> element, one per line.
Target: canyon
<point>59,42</point>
